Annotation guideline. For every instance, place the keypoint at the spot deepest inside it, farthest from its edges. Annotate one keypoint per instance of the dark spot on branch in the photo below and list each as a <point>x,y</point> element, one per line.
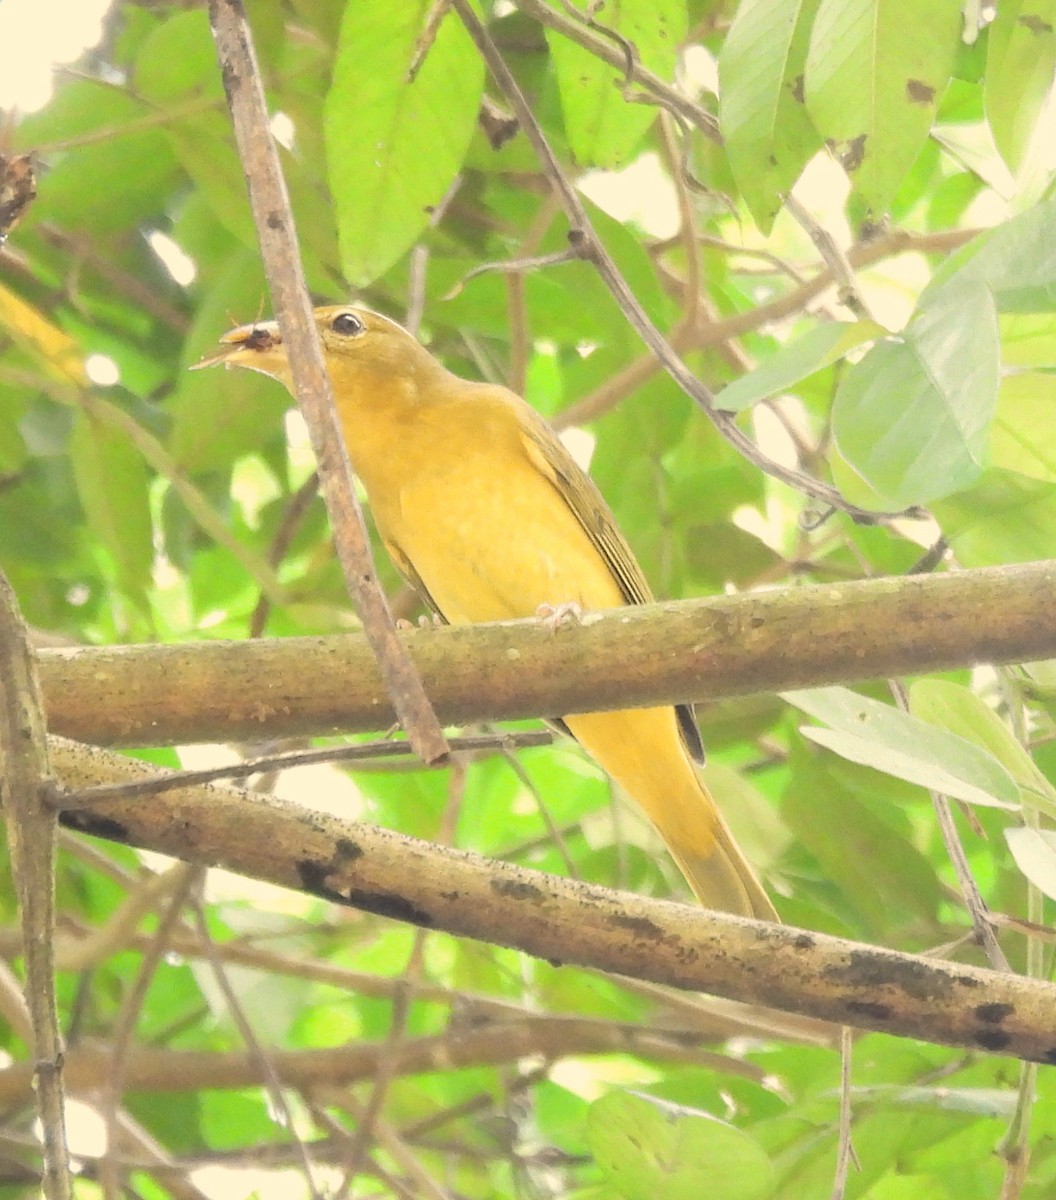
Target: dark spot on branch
<point>231,77</point>
<point>385,904</point>
<point>516,889</point>
<point>1050,1056</point>
<point>639,926</point>
<point>919,92</point>
<point>867,970</point>
<point>346,851</point>
<point>86,822</point>
<point>994,1014</point>
<point>870,1008</point>
<point>274,220</point>
<point>992,1039</point>
<point>314,876</point>
<point>803,941</point>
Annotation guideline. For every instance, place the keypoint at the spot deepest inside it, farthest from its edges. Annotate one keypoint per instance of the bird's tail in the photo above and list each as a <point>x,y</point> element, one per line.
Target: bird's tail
<point>642,750</point>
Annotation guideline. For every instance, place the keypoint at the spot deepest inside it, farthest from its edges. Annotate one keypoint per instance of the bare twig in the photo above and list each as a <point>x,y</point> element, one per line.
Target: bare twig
<point>25,779</point>
<point>501,742</point>
<point>271,208</point>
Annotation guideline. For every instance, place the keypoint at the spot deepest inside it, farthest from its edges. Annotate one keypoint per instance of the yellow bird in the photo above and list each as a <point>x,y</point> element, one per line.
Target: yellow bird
<point>482,508</point>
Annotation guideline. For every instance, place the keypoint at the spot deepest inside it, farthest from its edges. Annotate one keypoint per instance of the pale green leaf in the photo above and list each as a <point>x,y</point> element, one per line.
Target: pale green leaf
<point>1015,260</point>
<point>1020,63</point>
<point>393,147</point>
<point>875,72</point>
<point>603,127</point>
<point>816,349</point>
<point>1004,518</point>
<point>1035,853</point>
<point>912,417</point>
<point>649,1148</point>
<point>960,711</point>
<point>897,743</point>
<point>112,485</point>
<point>769,137</point>
<point>1023,435</point>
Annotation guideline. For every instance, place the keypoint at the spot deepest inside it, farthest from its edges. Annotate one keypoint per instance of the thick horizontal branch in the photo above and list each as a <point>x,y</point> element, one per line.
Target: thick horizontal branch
<point>689,650</point>
<point>566,921</point>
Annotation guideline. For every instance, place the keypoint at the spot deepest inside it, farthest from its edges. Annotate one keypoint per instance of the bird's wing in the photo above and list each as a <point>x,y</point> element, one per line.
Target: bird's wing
<point>406,568</point>
<point>588,505</point>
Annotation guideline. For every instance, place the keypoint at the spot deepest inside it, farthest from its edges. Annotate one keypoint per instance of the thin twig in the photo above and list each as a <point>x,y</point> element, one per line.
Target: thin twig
<point>845,1148</point>
<point>278,243</point>
<point>501,742</point>
<point>973,899</point>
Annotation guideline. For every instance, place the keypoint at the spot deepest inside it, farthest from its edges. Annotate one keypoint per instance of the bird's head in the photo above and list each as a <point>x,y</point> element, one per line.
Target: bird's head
<point>359,347</point>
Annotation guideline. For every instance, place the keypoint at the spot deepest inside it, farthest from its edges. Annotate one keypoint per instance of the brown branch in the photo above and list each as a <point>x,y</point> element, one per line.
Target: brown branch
<point>723,646</point>
<point>25,782</point>
<point>378,871</point>
<point>490,1044</point>
<point>282,264</point>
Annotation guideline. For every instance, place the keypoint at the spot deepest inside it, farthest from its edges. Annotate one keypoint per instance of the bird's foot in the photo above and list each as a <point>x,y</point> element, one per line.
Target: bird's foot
<point>554,616</point>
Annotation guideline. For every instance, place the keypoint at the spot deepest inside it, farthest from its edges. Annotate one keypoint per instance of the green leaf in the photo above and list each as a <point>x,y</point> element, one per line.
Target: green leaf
<point>392,146</point>
<point>603,127</point>
<point>1023,436</point>
<point>1035,853</point>
<point>912,417</point>
<point>649,1148</point>
<point>1004,518</point>
<point>880,736</point>
<point>960,711</point>
<point>1016,261</point>
<point>769,137</point>
<point>818,348</point>
<point>874,75</point>
<point>113,487</point>
<point>1021,57</point>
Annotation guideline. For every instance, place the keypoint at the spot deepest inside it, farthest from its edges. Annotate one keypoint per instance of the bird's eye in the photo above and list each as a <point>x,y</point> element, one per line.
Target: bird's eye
<point>347,324</point>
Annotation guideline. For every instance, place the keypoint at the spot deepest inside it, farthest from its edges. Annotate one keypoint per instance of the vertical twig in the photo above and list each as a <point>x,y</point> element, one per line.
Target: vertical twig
<point>282,264</point>
<point>31,835</point>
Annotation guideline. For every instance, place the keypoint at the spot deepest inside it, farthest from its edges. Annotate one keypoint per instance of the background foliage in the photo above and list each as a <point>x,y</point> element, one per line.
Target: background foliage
<point>141,502</point>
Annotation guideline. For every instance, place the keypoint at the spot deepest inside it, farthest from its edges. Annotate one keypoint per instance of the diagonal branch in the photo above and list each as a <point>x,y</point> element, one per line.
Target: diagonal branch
<point>278,245</point>
<point>561,920</point>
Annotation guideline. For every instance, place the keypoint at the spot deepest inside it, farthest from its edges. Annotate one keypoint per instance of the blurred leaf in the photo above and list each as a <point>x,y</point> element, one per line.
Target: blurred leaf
<point>649,1148</point>
<point>874,74</point>
<point>112,483</point>
<point>1035,853</point>
<point>603,127</point>
<point>395,146</point>
<point>769,137</point>
<point>1004,518</point>
<point>1024,431</point>
<point>1021,57</point>
<point>1016,261</point>
<point>822,346</point>
<point>912,417</point>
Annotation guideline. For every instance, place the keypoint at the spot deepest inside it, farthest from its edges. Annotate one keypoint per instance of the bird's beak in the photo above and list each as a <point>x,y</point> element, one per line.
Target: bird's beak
<point>252,346</point>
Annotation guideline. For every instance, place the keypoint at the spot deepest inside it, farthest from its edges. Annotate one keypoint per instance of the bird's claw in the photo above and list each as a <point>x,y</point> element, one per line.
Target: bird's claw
<point>554,616</point>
